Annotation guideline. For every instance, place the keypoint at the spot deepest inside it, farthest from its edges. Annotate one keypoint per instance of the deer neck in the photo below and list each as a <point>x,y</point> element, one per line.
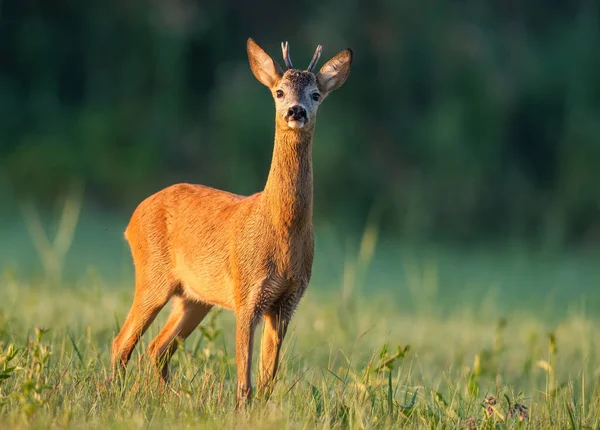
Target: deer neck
<point>289,189</point>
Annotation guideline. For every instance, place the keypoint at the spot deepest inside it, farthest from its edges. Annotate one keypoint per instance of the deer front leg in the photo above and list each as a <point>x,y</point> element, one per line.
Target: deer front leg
<point>273,334</point>
<point>244,340</point>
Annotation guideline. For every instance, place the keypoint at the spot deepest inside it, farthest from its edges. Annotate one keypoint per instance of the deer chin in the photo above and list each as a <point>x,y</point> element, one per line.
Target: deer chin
<point>296,123</point>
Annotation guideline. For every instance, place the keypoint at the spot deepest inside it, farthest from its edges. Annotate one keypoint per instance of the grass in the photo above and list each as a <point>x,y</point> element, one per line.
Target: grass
<point>385,339</point>
<point>350,361</point>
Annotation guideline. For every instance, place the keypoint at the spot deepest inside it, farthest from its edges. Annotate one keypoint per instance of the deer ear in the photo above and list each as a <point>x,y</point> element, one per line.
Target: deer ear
<point>266,70</point>
<point>335,72</point>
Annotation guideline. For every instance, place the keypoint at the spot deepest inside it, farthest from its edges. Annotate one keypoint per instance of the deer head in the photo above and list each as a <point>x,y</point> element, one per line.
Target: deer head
<point>298,93</point>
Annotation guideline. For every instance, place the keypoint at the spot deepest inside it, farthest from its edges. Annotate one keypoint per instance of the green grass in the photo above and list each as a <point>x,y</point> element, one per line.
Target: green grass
<point>342,366</point>
<point>386,337</point>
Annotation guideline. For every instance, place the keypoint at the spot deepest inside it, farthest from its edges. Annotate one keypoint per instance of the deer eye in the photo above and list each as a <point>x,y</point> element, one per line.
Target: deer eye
<point>279,94</point>
<point>316,97</point>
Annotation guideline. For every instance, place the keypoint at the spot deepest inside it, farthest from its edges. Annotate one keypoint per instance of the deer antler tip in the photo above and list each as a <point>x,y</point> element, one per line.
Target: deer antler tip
<point>286,55</point>
<point>315,58</point>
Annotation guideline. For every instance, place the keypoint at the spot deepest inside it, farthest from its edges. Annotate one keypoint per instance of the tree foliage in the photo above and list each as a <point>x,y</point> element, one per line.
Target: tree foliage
<point>461,119</point>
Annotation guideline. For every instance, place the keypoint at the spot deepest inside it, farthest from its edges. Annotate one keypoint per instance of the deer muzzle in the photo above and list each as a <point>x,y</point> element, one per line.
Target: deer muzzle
<point>296,116</point>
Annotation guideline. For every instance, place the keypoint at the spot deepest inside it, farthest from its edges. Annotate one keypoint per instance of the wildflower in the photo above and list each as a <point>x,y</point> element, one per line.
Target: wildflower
<point>520,410</point>
<point>490,402</point>
<point>471,423</point>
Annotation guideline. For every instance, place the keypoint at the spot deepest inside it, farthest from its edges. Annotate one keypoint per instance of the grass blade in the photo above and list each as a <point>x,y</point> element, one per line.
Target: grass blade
<point>75,348</point>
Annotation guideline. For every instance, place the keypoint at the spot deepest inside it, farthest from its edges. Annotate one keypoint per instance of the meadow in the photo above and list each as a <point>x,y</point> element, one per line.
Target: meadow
<point>472,124</point>
<point>389,335</point>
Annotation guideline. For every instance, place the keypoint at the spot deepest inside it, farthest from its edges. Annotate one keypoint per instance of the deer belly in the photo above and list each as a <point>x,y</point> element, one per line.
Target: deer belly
<point>204,285</point>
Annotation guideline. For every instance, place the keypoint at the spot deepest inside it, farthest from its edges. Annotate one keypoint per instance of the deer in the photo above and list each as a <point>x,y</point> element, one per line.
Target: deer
<point>201,247</point>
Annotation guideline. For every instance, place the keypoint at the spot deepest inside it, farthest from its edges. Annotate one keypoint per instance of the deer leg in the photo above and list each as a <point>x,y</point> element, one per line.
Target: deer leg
<point>244,340</point>
<point>147,303</point>
<point>273,334</point>
<point>184,318</point>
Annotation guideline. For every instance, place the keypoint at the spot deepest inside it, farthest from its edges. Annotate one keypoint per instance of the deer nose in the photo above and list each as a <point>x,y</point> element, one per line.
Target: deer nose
<point>296,112</point>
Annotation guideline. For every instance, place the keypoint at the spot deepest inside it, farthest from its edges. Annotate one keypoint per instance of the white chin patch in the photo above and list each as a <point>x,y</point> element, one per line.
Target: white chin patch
<point>295,124</point>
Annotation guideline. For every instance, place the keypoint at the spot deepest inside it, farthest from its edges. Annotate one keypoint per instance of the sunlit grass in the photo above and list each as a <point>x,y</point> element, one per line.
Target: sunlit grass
<point>381,340</point>
<point>346,364</point>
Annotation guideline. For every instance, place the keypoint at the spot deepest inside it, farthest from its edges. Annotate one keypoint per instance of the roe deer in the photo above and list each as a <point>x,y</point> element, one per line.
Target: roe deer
<point>204,247</point>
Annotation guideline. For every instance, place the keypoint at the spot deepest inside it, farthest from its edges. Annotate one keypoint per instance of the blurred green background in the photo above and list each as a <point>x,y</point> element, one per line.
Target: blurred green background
<point>464,124</point>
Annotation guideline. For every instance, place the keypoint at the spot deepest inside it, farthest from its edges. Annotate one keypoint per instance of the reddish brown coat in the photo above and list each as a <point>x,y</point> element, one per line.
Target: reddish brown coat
<point>203,247</point>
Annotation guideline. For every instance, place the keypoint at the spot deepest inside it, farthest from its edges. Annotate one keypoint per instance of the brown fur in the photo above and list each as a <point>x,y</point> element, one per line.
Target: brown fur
<point>205,247</point>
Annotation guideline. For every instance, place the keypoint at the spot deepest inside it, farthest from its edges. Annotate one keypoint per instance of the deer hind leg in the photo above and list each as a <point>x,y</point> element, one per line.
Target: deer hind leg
<point>151,295</point>
<point>184,318</point>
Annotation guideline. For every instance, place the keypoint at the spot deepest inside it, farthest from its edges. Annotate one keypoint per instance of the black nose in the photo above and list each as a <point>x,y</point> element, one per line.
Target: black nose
<point>296,113</point>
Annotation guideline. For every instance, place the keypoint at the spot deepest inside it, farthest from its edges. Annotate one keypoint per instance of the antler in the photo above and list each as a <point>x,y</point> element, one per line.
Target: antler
<point>286,55</point>
<point>315,58</point>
